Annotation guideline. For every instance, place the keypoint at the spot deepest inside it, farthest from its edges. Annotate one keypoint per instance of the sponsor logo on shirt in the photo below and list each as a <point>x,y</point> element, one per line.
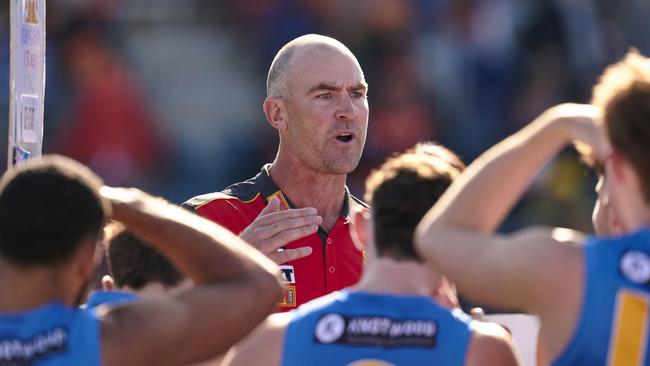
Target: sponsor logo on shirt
<point>288,297</point>
<point>284,205</point>
<point>288,274</point>
<point>635,266</point>
<point>377,331</point>
<point>19,352</point>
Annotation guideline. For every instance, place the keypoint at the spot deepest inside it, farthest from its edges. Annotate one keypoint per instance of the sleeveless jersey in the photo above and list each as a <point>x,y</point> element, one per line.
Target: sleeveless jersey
<point>50,335</point>
<point>613,324</point>
<point>363,329</point>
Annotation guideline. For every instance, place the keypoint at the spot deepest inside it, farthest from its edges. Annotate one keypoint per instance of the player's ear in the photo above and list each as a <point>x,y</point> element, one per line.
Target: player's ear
<point>275,113</point>
<point>359,228</point>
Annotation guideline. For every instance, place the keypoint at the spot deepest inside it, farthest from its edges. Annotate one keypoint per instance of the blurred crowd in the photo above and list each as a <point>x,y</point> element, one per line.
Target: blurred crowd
<point>166,95</point>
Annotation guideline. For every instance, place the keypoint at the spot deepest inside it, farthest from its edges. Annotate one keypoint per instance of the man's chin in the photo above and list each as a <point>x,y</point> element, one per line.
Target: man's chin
<point>341,169</point>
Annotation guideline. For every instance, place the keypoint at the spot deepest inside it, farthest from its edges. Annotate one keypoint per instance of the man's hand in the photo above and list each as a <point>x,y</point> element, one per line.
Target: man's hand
<point>273,229</point>
<point>584,128</point>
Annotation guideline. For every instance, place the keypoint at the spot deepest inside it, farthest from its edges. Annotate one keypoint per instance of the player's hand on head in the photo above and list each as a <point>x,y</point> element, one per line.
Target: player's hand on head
<point>584,128</point>
<point>119,197</point>
<point>274,228</point>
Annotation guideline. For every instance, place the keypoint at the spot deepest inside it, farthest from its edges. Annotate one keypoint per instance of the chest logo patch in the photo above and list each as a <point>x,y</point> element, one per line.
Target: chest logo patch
<point>288,274</point>
<point>288,297</point>
<point>284,205</point>
<point>635,266</point>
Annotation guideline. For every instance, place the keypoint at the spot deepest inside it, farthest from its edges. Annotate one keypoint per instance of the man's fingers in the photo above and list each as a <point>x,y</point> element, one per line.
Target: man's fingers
<point>273,217</point>
<point>289,255</point>
<point>477,313</point>
<point>285,237</point>
<point>273,206</point>
<point>288,224</point>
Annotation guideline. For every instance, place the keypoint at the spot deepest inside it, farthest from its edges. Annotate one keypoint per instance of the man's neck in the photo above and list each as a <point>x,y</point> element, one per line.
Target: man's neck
<point>22,290</point>
<point>308,188</point>
<point>387,276</point>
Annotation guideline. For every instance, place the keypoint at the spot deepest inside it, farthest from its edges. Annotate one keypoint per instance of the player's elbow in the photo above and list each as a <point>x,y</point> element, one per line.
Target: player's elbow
<point>491,344</point>
<point>424,232</point>
<point>268,288</point>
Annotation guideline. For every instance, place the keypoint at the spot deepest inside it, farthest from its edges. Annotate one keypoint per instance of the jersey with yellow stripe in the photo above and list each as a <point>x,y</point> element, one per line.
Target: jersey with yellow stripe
<point>613,326</point>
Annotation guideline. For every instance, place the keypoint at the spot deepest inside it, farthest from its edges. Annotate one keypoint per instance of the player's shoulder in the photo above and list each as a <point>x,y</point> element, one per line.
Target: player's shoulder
<point>199,201</point>
<point>491,344</point>
<point>243,192</point>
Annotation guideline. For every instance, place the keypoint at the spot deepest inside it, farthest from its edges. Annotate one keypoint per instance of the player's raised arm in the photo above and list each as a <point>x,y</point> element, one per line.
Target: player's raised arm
<point>458,226</point>
<point>236,287</point>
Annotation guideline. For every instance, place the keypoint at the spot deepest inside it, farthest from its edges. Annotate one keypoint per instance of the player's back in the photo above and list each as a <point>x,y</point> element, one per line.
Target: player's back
<point>613,325</point>
<point>358,328</point>
<point>51,335</point>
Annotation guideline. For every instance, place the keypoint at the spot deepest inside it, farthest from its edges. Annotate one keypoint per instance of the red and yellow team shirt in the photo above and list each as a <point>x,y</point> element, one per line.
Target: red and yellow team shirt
<point>335,262</point>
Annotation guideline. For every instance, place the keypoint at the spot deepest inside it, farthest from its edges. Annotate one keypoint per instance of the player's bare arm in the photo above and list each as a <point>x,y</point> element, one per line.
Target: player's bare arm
<point>236,287</point>
<point>456,227</point>
<point>491,345</point>
<point>459,226</point>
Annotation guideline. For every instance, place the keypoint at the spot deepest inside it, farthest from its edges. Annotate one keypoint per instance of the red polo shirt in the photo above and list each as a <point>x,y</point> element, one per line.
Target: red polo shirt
<point>335,262</point>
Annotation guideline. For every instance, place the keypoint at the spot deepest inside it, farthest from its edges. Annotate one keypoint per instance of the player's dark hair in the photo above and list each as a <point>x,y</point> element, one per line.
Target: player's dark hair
<point>135,264</point>
<point>48,207</point>
<point>623,96</point>
<point>402,190</point>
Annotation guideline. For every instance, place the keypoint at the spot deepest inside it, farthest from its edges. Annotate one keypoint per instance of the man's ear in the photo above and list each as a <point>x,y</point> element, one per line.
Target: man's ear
<point>85,260</point>
<point>275,113</point>
<point>108,284</point>
<point>359,228</point>
<point>623,171</point>
<point>617,166</point>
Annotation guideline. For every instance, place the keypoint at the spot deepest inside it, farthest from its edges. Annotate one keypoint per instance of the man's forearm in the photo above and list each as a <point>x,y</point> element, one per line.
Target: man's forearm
<point>201,249</point>
<point>483,195</point>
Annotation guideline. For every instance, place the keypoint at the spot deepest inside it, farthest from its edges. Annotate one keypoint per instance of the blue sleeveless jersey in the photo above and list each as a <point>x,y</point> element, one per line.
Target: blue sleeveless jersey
<point>51,335</point>
<point>362,329</point>
<point>613,325</point>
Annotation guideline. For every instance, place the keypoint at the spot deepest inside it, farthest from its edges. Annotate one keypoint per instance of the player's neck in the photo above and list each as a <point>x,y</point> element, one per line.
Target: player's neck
<point>22,290</point>
<point>386,276</point>
<point>308,188</point>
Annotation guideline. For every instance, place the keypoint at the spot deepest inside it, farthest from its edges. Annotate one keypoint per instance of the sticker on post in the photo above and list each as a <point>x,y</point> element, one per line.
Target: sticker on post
<point>30,11</point>
<point>29,131</point>
<point>20,155</point>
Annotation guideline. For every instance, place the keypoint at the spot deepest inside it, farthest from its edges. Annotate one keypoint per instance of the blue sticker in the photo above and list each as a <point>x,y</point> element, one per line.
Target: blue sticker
<point>21,154</point>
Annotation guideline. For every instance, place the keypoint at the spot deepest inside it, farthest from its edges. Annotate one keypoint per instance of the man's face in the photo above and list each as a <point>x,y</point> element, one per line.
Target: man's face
<point>327,110</point>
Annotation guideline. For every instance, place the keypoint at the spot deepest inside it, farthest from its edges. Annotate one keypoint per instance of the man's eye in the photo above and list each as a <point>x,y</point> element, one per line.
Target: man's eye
<point>324,96</point>
<point>356,94</point>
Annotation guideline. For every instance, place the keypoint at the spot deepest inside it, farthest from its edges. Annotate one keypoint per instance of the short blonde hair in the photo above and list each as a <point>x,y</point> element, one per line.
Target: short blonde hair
<point>623,96</point>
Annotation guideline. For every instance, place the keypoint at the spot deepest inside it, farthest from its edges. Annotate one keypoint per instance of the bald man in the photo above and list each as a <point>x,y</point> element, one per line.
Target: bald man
<point>296,210</point>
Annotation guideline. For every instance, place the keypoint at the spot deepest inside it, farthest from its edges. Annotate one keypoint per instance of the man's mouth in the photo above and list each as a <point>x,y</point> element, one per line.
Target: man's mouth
<point>345,137</point>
